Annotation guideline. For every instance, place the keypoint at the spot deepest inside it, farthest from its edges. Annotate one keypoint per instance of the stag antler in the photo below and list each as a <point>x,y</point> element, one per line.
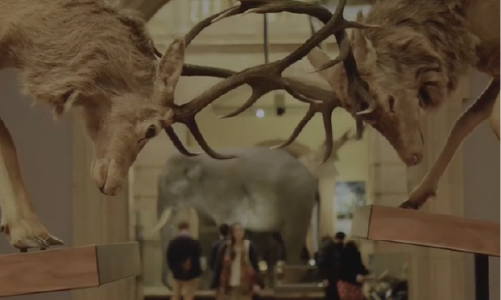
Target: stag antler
<point>266,77</point>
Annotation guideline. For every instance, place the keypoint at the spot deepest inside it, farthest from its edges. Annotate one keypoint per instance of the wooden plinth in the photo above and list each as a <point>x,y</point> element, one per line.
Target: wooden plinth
<point>382,223</point>
<point>67,268</point>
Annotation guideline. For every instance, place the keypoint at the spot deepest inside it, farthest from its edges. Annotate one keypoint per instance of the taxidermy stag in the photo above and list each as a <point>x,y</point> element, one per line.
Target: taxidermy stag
<point>413,61</point>
<point>264,190</point>
<point>91,55</point>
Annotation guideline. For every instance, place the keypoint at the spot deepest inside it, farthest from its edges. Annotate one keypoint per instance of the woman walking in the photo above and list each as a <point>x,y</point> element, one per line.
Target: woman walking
<point>236,274</point>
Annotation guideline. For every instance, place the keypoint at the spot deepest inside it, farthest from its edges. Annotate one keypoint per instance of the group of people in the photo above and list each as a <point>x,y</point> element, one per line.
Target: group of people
<point>233,261</point>
<point>341,268</point>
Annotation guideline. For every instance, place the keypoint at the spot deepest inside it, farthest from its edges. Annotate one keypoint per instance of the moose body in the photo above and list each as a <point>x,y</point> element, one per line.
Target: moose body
<point>264,190</point>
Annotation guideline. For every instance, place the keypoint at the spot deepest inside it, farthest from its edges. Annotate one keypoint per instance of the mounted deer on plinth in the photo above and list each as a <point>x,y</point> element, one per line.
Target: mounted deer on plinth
<point>90,55</point>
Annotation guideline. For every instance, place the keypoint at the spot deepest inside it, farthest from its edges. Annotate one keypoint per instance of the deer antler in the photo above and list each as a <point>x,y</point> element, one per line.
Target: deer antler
<point>266,77</point>
<point>309,90</point>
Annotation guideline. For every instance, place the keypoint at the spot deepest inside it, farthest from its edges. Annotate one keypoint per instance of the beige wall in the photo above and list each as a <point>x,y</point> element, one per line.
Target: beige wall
<point>433,274</point>
<point>481,183</point>
<point>45,154</point>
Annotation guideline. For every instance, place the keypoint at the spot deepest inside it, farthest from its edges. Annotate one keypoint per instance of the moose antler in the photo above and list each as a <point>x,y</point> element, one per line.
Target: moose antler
<point>266,77</point>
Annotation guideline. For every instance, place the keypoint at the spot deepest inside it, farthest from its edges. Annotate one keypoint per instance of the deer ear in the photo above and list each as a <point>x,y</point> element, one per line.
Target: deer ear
<point>169,70</point>
<point>362,46</point>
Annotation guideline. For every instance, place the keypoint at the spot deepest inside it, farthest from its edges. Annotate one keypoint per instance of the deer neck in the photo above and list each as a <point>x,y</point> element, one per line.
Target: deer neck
<point>440,25</point>
<point>483,17</point>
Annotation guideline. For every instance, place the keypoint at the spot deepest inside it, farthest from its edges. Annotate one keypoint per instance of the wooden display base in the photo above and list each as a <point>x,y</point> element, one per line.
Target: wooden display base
<point>68,268</point>
<point>405,226</point>
<point>382,223</point>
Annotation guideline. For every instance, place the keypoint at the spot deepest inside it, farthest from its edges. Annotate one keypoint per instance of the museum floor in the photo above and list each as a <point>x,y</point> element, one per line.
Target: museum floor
<point>265,295</point>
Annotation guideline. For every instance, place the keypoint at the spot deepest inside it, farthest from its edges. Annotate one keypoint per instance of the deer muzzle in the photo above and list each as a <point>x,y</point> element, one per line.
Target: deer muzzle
<point>108,175</point>
<point>407,141</point>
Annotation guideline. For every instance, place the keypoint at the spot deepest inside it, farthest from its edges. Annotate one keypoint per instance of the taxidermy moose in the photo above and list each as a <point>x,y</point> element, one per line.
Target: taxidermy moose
<point>91,55</point>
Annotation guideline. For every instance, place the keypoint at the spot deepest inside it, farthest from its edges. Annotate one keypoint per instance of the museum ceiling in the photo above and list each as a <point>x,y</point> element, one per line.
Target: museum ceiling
<point>150,7</point>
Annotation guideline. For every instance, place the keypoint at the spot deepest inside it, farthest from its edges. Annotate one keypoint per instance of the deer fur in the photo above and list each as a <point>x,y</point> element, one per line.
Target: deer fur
<point>94,56</point>
<point>414,61</point>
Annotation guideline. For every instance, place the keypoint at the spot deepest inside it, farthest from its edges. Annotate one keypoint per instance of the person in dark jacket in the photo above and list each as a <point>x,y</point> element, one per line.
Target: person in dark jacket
<point>352,273</point>
<point>183,259</point>
<point>328,262</point>
<point>224,231</point>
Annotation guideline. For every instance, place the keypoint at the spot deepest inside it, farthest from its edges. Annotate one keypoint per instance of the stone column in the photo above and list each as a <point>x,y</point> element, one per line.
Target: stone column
<point>433,274</point>
<point>444,270</point>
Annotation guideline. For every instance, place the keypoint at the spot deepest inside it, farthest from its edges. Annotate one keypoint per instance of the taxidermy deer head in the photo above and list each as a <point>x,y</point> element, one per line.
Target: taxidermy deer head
<point>98,58</point>
<point>405,67</point>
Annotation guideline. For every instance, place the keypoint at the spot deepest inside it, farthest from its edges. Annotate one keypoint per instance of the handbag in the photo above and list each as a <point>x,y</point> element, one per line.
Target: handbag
<point>186,265</point>
<point>349,291</point>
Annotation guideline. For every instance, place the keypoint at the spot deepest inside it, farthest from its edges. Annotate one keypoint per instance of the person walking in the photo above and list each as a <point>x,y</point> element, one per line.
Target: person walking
<point>352,273</point>
<point>328,262</point>
<point>224,231</point>
<point>183,259</point>
<point>236,272</point>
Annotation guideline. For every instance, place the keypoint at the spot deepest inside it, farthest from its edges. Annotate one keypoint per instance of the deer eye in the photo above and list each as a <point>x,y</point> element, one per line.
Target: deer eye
<point>391,102</point>
<point>150,132</point>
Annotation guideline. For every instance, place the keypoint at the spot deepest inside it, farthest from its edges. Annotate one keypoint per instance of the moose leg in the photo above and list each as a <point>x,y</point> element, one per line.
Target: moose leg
<point>477,113</point>
<point>19,221</point>
<point>294,237</point>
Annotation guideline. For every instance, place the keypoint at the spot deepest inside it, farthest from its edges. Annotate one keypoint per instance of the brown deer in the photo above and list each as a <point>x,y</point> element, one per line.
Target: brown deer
<point>413,61</point>
<point>91,55</point>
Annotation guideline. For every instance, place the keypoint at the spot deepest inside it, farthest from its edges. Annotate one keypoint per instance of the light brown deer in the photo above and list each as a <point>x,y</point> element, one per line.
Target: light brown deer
<point>414,61</point>
<point>90,55</point>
